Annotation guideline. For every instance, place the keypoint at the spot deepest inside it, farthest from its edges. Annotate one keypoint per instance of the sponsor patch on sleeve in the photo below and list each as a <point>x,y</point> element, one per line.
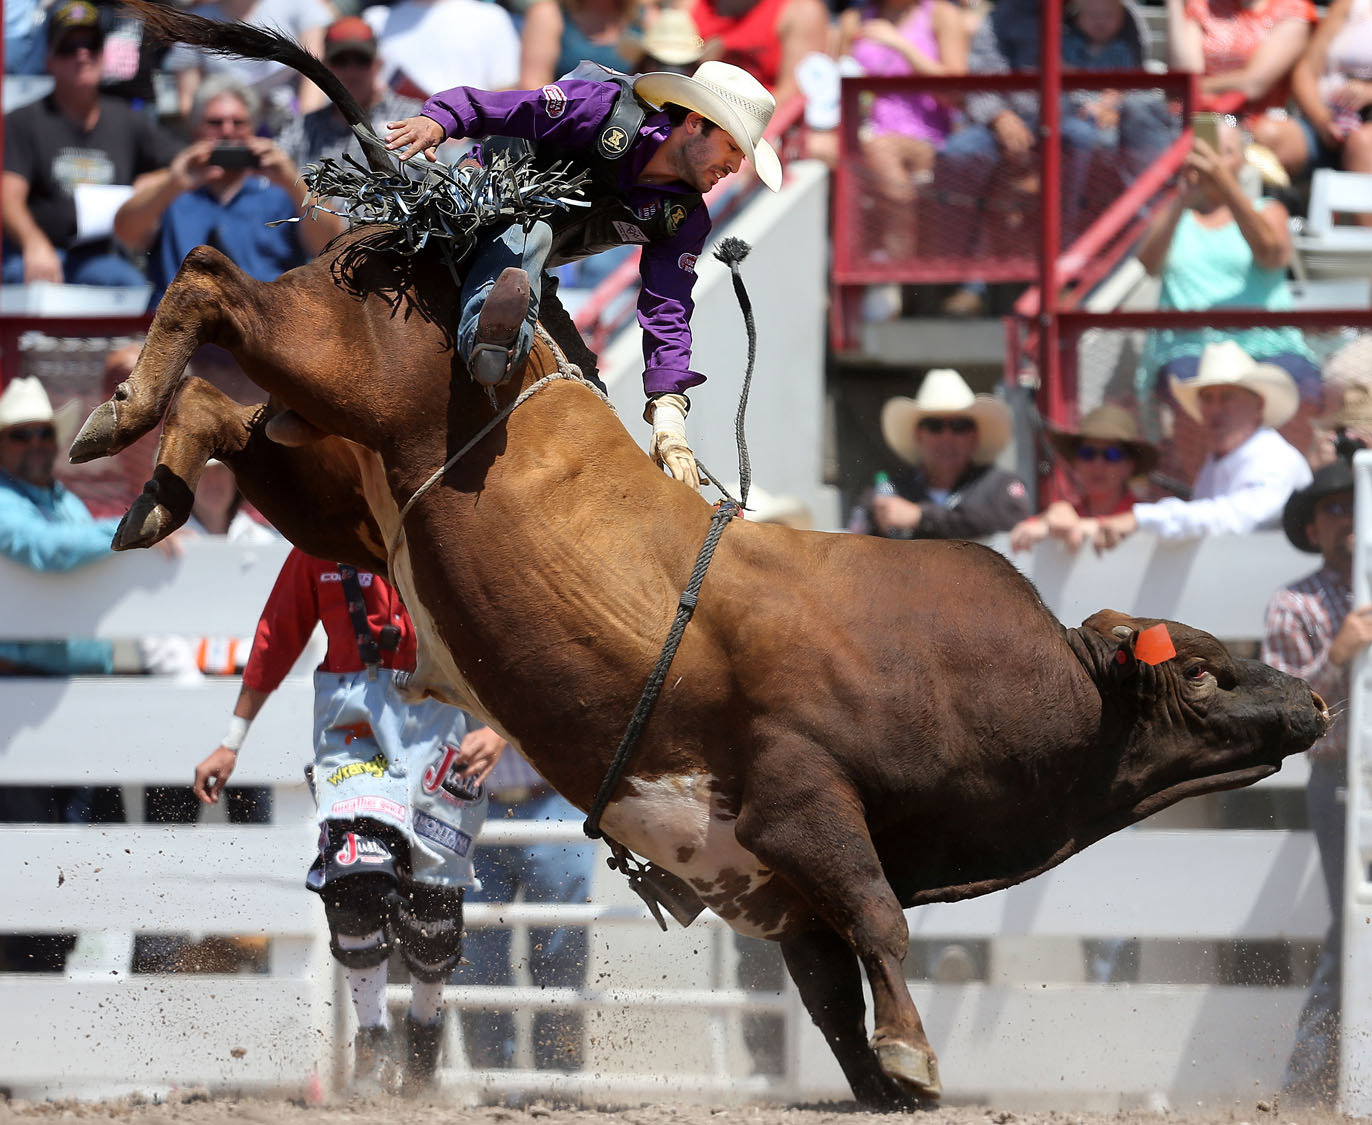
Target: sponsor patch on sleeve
<point>629,232</point>
<point>554,101</point>
<point>687,262</point>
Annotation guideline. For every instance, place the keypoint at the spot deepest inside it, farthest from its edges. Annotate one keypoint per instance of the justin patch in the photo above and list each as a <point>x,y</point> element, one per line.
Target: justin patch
<point>442,834</point>
<point>554,101</point>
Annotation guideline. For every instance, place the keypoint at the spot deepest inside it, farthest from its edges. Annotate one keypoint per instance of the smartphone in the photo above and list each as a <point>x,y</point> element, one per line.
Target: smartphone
<point>233,156</point>
<point>1206,127</point>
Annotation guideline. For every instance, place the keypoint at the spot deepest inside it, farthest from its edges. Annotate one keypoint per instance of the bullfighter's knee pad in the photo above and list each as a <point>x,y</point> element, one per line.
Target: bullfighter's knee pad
<point>428,929</point>
<point>355,874</point>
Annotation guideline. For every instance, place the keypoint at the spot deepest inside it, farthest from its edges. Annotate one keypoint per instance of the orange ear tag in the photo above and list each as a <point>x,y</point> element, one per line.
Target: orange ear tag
<point>1154,645</point>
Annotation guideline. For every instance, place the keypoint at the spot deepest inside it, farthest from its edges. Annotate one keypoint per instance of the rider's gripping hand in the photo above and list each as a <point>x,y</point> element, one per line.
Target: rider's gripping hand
<point>415,135</point>
<point>670,448</point>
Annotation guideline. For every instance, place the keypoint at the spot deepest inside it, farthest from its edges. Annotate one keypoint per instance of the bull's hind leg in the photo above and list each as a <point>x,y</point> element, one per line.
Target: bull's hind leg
<point>197,308</point>
<point>821,846</point>
<point>202,422</point>
<point>830,983</point>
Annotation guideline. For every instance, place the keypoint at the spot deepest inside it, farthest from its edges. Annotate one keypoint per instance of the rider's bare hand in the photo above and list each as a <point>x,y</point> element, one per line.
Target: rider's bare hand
<point>415,135</point>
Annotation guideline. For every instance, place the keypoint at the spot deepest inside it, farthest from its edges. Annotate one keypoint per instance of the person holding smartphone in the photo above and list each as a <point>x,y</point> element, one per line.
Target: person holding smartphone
<point>222,190</point>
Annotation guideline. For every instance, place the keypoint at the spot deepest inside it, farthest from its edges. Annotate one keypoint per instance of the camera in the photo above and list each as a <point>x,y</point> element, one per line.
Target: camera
<point>1345,445</point>
<point>233,156</point>
<point>388,639</point>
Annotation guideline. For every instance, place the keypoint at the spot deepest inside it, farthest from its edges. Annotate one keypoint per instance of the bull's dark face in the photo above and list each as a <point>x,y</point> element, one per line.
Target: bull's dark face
<point>1194,720</point>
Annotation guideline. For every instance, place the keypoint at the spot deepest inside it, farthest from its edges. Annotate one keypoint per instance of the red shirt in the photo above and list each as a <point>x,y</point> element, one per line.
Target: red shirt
<point>749,40</point>
<point>1232,33</point>
<point>309,590</point>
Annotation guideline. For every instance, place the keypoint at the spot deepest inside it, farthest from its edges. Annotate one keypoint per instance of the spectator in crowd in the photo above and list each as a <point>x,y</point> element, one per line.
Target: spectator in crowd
<point>902,132</point>
<point>351,53</point>
<point>767,38</point>
<point>1246,50</point>
<point>1214,247</point>
<point>131,58</point>
<point>559,34</point>
<point>67,157</point>
<point>1250,470</point>
<point>1348,388</point>
<point>1314,631</point>
<point>281,90</point>
<point>428,45</point>
<point>24,39</point>
<point>671,42</point>
<point>949,437</point>
<point>1103,456</point>
<point>45,527</point>
<point>222,190</point>
<point>1332,85</point>
<point>557,955</point>
<point>1000,138</point>
<point>411,822</point>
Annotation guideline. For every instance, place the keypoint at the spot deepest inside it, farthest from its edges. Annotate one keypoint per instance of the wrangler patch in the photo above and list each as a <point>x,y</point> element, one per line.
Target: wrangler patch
<point>554,101</point>
<point>375,766</point>
<point>442,834</point>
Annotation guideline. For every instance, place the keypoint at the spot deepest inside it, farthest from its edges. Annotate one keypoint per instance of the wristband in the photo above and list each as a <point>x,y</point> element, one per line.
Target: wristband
<point>238,729</point>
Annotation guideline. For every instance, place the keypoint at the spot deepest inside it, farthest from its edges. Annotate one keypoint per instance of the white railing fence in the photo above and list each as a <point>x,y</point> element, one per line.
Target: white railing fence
<point>664,1018</point>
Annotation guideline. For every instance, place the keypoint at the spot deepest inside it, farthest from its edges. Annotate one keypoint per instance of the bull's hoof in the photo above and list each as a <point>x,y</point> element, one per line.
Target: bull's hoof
<point>97,436</point>
<point>916,1070</point>
<point>147,522</point>
<point>289,429</point>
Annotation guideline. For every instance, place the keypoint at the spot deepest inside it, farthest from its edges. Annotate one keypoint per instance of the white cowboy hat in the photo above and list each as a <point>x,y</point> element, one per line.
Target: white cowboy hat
<point>768,507</point>
<point>1225,364</point>
<point>25,401</point>
<point>673,38</point>
<point>730,97</point>
<point>945,392</point>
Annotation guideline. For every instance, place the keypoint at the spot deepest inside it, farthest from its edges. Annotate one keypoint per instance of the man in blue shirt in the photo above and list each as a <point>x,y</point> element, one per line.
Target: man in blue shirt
<point>652,146</point>
<point>222,191</point>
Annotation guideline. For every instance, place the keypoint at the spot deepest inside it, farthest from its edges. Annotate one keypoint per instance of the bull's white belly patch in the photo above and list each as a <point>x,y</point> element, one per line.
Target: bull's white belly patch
<point>678,822</point>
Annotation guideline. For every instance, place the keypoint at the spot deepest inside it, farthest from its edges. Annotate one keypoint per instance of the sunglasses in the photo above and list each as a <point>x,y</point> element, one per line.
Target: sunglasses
<point>952,425</point>
<point>351,58</point>
<point>70,46</point>
<point>22,435</point>
<point>1111,453</point>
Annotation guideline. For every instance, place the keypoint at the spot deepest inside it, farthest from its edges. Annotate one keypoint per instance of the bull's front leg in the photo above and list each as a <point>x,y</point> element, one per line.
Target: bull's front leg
<point>197,308</point>
<point>202,423</point>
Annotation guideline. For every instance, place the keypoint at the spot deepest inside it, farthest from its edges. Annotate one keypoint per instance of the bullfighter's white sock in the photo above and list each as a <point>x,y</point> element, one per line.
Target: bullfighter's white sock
<point>368,986</point>
<point>426,1001</point>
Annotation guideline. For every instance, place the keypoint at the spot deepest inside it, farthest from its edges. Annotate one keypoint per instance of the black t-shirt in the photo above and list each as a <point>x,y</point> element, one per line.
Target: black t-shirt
<point>54,155</point>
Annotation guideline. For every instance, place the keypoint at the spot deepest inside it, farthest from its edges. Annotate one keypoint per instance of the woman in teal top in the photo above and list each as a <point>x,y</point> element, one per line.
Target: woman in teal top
<point>559,34</point>
<point>1213,247</point>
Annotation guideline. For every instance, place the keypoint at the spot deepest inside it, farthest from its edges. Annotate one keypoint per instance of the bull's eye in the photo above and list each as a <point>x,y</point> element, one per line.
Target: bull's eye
<point>1197,671</point>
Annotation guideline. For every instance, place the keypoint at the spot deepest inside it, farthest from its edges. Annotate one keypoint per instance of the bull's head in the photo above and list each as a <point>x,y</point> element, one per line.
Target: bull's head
<point>1182,716</point>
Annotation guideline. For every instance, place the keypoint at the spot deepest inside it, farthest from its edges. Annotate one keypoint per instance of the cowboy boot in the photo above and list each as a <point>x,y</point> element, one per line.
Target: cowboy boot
<point>423,1044</point>
<point>497,327</point>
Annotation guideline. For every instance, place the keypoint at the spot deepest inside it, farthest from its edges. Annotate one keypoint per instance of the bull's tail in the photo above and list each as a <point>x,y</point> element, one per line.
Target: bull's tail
<point>223,37</point>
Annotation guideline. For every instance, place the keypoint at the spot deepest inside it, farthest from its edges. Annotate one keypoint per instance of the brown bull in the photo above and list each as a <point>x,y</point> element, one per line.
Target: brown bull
<point>851,725</point>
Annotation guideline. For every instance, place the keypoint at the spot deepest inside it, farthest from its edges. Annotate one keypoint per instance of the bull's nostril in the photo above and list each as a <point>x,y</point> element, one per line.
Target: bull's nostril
<point>1320,705</point>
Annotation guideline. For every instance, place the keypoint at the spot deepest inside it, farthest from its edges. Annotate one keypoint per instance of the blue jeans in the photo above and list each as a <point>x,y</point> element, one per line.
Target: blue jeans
<point>511,247</point>
<point>96,264</point>
<point>1312,1071</point>
<point>557,956</point>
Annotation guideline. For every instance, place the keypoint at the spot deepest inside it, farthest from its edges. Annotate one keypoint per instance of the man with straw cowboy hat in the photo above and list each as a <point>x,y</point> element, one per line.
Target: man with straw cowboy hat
<point>1250,470</point>
<point>653,145</point>
<point>949,437</point>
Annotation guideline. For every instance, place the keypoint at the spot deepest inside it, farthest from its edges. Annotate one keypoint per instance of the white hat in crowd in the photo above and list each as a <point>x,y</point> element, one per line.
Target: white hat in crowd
<point>25,401</point>
<point>1225,364</point>
<point>773,507</point>
<point>673,38</point>
<point>944,392</point>
<point>730,97</point>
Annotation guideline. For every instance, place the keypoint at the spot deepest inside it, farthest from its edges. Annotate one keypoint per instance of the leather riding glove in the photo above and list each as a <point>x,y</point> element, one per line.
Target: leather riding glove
<point>670,448</point>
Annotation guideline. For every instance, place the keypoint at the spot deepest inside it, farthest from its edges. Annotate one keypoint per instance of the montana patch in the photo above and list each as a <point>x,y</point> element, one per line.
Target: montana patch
<point>442,833</point>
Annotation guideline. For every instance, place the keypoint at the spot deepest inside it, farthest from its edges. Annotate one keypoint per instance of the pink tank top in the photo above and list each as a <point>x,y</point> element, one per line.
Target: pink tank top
<point>921,116</point>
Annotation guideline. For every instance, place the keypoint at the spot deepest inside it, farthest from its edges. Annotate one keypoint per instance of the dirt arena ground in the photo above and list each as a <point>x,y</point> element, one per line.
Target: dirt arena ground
<point>194,1109</point>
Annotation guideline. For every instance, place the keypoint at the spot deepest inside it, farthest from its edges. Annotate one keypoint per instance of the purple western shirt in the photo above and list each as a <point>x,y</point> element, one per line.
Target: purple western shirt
<point>571,119</point>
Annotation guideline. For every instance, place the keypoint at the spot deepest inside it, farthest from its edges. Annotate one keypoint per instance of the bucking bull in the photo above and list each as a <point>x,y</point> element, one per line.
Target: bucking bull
<point>851,726</point>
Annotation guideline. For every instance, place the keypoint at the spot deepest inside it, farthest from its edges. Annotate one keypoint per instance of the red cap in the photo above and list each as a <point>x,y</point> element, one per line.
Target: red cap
<point>351,33</point>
